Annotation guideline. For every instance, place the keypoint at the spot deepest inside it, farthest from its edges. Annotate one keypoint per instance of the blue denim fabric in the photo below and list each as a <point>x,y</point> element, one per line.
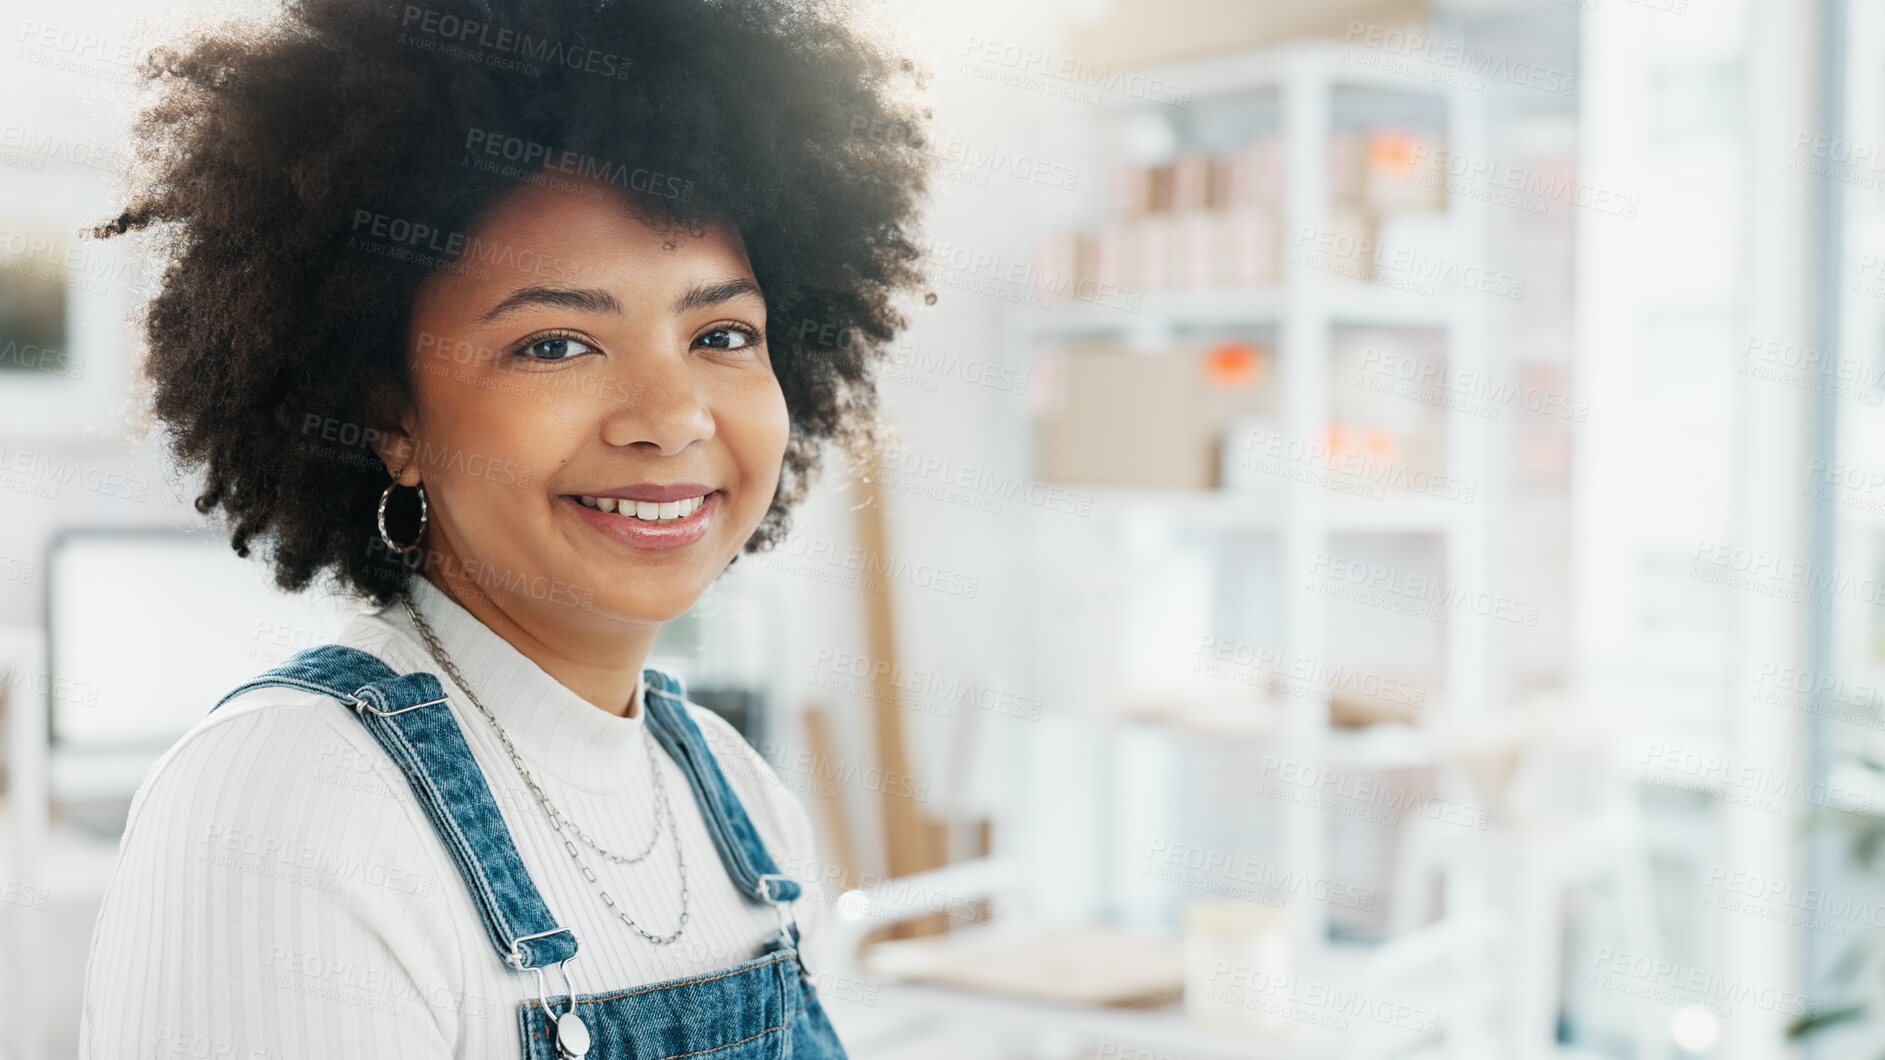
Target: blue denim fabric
<point>764,1007</point>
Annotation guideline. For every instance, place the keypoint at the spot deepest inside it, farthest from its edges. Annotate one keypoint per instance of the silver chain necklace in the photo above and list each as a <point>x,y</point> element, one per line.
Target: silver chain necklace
<point>664,807</point>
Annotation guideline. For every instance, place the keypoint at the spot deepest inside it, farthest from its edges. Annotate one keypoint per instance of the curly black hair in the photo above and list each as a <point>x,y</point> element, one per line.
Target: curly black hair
<point>301,178</point>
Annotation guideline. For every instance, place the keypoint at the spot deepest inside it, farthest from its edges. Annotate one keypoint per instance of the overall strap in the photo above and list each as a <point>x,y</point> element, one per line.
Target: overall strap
<point>409,716</point>
<point>748,864</point>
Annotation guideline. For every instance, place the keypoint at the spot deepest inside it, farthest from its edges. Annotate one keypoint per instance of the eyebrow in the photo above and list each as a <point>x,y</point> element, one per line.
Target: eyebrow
<point>593,300</point>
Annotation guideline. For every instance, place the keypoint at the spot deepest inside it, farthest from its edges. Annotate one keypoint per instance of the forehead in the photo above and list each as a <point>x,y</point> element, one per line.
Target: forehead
<point>576,230</point>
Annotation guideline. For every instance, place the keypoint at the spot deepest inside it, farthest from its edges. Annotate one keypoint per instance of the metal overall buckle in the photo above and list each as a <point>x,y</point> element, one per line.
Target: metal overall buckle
<point>785,917</point>
<point>361,705</point>
<point>572,1035</point>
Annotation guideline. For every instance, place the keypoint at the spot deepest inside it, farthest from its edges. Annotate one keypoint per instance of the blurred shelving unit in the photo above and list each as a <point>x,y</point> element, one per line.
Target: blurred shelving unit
<point>1307,106</point>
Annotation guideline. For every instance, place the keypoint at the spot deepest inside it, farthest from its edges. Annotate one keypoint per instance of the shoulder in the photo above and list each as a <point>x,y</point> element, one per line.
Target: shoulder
<point>280,787</point>
<point>268,746</point>
<point>275,833</point>
<point>285,775</point>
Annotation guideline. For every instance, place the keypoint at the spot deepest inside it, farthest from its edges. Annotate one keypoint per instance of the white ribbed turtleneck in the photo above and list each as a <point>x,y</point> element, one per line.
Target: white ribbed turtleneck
<point>280,893</point>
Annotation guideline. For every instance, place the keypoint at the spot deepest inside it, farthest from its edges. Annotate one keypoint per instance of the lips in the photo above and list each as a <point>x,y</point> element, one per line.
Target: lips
<point>657,535</point>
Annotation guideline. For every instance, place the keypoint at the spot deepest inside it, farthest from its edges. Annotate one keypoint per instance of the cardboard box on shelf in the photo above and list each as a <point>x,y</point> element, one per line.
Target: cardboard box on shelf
<point>1148,420</point>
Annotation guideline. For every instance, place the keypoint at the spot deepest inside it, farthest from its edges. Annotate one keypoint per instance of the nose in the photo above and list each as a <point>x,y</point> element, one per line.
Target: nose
<point>660,399</point>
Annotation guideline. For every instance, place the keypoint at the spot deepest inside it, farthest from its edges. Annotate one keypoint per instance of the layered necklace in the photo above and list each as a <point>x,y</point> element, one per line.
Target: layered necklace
<point>664,808</point>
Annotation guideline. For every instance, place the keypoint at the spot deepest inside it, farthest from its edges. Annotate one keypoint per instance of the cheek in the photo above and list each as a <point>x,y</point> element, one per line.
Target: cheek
<point>763,426</point>
<point>492,442</point>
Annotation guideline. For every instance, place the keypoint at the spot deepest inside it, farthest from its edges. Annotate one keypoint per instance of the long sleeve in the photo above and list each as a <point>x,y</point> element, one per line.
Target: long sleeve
<point>272,898</point>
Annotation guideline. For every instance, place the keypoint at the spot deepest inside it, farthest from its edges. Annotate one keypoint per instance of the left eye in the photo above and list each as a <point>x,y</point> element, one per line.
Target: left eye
<point>556,348</point>
<point>727,338</point>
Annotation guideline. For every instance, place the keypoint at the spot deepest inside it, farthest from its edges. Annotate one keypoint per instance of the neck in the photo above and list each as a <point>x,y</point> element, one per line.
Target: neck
<point>598,661</point>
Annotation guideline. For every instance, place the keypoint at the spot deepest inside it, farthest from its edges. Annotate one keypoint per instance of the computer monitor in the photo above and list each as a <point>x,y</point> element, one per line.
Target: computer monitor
<point>147,629</point>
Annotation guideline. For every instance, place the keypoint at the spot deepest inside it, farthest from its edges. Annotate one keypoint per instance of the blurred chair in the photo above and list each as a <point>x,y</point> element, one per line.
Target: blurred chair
<point>1560,813</point>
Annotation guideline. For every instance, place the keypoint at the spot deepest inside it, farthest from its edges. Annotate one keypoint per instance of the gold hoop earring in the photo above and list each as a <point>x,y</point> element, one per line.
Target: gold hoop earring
<point>388,538</point>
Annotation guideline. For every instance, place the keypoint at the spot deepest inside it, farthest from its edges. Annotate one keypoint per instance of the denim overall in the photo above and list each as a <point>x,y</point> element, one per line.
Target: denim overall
<point>764,1007</point>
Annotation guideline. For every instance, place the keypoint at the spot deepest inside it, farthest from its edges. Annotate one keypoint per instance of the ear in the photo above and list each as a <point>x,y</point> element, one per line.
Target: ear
<point>390,418</point>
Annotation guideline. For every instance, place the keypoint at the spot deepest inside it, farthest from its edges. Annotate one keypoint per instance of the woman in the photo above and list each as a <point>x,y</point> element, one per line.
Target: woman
<point>507,319</point>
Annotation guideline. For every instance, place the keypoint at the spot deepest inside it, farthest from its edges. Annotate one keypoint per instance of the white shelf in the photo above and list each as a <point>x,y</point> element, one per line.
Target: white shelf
<point>1348,303</point>
<point>1305,309</point>
<point>1267,508</point>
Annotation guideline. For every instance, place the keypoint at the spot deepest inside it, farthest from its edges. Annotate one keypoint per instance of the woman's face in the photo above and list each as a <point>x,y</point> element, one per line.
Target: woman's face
<point>579,353</point>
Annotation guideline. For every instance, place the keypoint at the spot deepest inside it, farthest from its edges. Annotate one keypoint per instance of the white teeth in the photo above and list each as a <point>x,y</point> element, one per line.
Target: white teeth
<point>647,511</point>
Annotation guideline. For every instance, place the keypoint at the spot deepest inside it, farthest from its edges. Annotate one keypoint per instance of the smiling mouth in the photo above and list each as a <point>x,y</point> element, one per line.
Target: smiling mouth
<point>650,512</point>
